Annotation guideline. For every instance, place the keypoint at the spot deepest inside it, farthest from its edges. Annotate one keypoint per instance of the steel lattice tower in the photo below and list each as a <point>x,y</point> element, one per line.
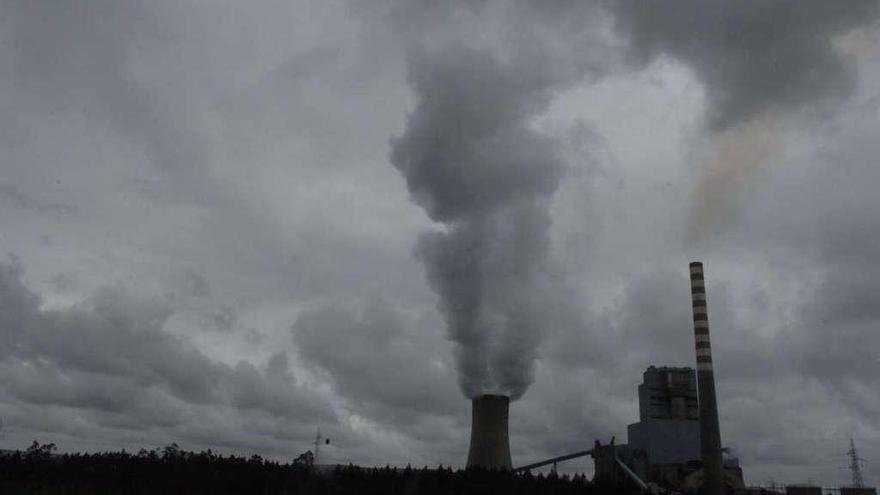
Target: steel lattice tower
<point>855,465</point>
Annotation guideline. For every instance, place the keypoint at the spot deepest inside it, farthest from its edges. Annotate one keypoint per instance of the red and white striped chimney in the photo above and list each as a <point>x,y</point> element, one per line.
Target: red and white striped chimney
<point>710,432</point>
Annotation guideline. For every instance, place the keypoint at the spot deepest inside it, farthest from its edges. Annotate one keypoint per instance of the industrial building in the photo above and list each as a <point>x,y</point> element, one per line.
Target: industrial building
<point>677,442</point>
<point>675,447</point>
<point>490,444</point>
<point>663,448</point>
<point>669,427</point>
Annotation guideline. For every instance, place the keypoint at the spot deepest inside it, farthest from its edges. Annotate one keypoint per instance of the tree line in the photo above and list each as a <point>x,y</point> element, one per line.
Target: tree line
<point>172,470</point>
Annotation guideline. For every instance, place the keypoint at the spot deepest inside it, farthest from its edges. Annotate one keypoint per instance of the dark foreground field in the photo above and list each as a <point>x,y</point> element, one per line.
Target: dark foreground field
<point>173,471</point>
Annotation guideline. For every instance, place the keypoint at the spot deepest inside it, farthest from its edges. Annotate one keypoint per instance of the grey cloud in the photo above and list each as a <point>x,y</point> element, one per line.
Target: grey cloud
<point>223,318</point>
<point>648,322</point>
<point>829,344</point>
<point>77,56</point>
<point>193,293</point>
<point>192,283</point>
<point>834,339</point>
<point>392,371</point>
<point>253,336</point>
<point>105,354</point>
<point>18,306</point>
<point>46,385</point>
<point>21,200</point>
<point>654,311</point>
<point>383,361</point>
<point>277,124</point>
<point>272,391</point>
<point>753,57</point>
<point>65,282</point>
<point>763,65</point>
<point>820,217</point>
<point>151,108</point>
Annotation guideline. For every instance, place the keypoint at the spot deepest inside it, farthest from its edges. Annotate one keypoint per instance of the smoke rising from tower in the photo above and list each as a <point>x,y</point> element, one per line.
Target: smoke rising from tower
<point>472,161</point>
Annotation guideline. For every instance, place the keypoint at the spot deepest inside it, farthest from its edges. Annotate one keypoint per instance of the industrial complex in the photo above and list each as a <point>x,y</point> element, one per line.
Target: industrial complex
<point>675,447</point>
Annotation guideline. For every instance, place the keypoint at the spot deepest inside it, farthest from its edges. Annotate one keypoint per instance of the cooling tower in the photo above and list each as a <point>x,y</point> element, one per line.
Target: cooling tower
<point>490,447</point>
<point>710,433</point>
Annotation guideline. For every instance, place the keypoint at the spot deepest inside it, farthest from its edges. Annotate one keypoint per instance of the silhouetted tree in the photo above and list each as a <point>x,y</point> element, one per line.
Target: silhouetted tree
<point>174,470</point>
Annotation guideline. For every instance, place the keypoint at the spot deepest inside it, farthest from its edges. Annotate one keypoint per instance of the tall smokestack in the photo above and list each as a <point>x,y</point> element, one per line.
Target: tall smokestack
<point>490,447</point>
<point>710,432</point>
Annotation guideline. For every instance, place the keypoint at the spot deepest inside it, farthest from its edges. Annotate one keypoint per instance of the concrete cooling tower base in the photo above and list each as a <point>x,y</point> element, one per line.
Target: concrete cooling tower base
<point>490,446</point>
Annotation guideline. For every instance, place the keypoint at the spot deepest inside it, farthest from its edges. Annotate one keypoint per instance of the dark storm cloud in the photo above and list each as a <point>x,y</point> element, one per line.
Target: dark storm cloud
<point>753,57</point>
<point>102,354</point>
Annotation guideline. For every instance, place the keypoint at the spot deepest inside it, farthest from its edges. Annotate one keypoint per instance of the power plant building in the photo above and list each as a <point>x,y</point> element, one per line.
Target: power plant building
<point>668,430</point>
<point>675,447</point>
<point>664,446</point>
<point>677,441</point>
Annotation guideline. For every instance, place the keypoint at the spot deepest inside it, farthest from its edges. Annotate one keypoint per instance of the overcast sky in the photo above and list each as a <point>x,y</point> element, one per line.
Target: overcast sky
<point>227,224</point>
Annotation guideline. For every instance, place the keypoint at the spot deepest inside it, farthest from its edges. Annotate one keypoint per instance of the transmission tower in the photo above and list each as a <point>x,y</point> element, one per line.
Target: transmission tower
<point>317,444</point>
<point>319,439</point>
<point>855,465</point>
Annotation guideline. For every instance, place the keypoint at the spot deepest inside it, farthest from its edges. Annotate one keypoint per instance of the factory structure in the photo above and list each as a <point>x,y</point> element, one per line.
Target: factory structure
<point>675,447</point>
<point>490,444</point>
<point>677,442</point>
<point>664,447</point>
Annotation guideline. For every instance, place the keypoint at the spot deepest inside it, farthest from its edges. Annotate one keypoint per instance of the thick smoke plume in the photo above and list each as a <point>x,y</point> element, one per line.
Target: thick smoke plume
<point>472,161</point>
<point>761,63</point>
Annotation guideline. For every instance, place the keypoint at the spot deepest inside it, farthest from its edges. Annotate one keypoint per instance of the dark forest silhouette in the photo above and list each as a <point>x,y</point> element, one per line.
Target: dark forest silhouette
<point>172,470</point>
